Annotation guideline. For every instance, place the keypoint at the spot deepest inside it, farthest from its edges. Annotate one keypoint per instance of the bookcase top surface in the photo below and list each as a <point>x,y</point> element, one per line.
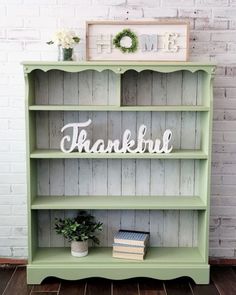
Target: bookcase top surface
<point>118,67</point>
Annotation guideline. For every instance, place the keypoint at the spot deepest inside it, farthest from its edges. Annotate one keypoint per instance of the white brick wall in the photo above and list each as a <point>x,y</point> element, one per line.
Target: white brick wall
<point>25,25</point>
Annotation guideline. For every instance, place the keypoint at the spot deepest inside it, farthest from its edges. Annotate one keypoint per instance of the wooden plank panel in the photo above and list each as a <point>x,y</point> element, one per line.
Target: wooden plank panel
<point>70,88</point>
<point>113,177</point>
<point>42,139</point>
<point>129,88</point>
<point>56,167</point>
<point>172,168</point>
<point>113,90</point>
<point>17,285</point>
<point>129,287</point>
<point>72,288</point>
<point>99,172</point>
<point>128,177</point>
<point>159,86</point>
<point>100,88</point>
<point>187,168</point>
<point>98,287</point>
<point>82,172</point>
<point>204,289</point>
<point>85,87</point>
<point>5,275</point>
<point>85,172</point>
<point>43,293</point>
<point>178,287</point>
<point>157,169</point>
<point>41,88</point>
<point>224,280</point>
<point>71,174</point>
<point>144,97</point>
<point>150,287</point>
<point>48,285</point>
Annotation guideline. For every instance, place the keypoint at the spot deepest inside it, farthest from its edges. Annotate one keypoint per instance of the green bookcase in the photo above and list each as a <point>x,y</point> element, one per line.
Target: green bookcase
<point>177,95</point>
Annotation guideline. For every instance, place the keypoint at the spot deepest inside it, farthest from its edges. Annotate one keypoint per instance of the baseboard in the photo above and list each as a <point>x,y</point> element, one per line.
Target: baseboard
<point>222,261</point>
<point>212,261</point>
<point>13,261</point>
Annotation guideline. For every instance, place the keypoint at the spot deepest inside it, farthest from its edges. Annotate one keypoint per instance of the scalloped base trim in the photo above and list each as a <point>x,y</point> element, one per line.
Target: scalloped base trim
<point>36,273</point>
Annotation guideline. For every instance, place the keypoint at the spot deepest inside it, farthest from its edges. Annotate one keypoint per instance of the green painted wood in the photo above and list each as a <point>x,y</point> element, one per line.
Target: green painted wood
<point>119,202</point>
<point>172,108</point>
<point>118,67</point>
<point>198,272</point>
<point>103,255</point>
<point>161,262</point>
<point>31,167</point>
<point>177,154</point>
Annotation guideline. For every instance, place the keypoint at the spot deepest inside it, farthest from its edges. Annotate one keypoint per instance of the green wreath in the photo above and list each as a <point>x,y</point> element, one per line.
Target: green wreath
<point>131,35</point>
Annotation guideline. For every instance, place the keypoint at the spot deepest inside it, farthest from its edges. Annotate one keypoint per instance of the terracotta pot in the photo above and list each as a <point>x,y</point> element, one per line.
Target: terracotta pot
<point>79,249</point>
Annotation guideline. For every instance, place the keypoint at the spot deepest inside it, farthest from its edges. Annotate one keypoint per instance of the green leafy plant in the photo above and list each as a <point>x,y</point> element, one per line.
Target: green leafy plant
<point>80,228</point>
<point>131,35</point>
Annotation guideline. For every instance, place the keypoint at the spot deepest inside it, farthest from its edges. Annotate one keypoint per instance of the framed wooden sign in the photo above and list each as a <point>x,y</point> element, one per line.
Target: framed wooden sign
<point>137,40</point>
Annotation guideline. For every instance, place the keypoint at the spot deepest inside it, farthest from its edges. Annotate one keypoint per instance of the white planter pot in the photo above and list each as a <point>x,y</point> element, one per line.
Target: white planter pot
<point>79,249</point>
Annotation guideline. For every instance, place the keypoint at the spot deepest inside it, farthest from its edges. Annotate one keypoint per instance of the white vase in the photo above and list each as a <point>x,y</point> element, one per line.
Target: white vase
<point>79,249</point>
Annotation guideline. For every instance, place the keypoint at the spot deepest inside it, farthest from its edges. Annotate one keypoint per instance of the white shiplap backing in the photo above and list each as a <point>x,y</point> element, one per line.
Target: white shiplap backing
<point>121,177</point>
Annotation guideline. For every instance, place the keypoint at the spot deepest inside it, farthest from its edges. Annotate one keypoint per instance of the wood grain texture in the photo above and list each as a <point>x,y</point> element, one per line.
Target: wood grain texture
<point>120,177</point>
<point>150,287</point>
<point>17,285</point>
<point>98,287</point>
<point>48,285</point>
<point>129,287</point>
<point>72,288</point>
<point>5,275</point>
<point>224,280</point>
<point>43,293</point>
<point>223,275</point>
<point>178,287</point>
<point>204,289</point>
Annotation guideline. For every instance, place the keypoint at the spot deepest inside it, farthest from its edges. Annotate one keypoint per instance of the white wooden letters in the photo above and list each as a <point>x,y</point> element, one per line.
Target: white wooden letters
<point>157,40</point>
<point>79,142</point>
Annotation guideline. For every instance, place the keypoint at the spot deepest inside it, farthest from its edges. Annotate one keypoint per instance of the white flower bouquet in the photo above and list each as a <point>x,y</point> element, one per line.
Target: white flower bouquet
<point>65,39</point>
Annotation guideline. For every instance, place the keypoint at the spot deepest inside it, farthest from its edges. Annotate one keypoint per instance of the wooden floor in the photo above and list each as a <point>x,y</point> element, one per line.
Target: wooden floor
<point>13,282</point>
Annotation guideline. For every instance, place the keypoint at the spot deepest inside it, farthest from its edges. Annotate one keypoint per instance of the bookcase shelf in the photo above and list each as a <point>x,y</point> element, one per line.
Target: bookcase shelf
<point>177,154</point>
<point>100,255</point>
<point>172,108</point>
<point>167,194</point>
<point>119,202</point>
<point>162,263</point>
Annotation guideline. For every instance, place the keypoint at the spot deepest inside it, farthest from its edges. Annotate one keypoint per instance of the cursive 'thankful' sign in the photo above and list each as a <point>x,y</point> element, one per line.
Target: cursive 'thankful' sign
<point>78,141</point>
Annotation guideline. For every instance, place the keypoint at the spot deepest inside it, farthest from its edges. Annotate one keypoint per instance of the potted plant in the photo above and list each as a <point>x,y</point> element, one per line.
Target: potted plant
<point>65,40</point>
<point>78,231</point>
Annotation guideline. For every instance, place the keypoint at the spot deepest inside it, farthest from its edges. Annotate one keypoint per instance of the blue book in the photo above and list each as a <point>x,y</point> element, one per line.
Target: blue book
<point>132,238</point>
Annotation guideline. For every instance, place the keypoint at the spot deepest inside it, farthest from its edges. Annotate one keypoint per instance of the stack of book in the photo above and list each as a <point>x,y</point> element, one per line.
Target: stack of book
<point>130,244</point>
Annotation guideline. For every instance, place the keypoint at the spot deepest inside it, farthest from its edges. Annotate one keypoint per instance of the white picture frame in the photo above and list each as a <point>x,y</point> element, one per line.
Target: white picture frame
<point>158,40</point>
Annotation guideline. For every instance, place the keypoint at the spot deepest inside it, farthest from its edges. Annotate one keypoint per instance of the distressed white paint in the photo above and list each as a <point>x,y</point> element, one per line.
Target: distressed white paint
<point>122,177</point>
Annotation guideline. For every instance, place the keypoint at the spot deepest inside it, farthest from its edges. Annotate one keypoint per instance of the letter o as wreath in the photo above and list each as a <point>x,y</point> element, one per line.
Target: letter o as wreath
<point>126,33</point>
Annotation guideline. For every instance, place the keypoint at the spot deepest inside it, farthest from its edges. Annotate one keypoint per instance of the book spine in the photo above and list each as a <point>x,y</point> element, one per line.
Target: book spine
<point>129,242</point>
<point>127,256</point>
<point>129,249</point>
